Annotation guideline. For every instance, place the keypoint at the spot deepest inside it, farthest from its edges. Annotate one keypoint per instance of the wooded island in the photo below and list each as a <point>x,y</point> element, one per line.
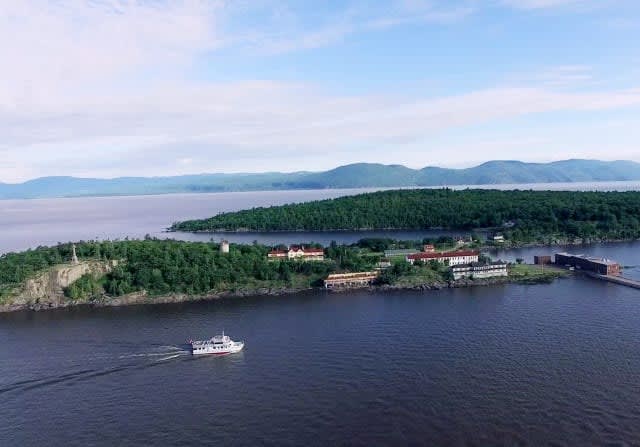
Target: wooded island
<point>521,216</point>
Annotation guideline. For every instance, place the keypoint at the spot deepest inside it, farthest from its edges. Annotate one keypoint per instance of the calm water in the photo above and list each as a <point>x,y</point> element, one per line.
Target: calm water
<point>29,223</point>
<point>536,365</point>
<point>514,365</point>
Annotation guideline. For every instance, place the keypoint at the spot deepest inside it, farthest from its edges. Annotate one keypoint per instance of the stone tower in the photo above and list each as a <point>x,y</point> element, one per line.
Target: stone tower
<point>74,257</point>
<point>224,246</point>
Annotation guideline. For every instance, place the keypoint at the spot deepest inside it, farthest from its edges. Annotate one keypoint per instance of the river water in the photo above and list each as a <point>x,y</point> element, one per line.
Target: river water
<point>531,365</point>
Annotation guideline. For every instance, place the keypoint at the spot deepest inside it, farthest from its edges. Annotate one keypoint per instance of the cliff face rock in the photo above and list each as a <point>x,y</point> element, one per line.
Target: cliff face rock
<point>47,289</point>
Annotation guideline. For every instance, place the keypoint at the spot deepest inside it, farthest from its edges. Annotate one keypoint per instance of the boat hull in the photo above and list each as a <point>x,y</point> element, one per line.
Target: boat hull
<point>212,351</point>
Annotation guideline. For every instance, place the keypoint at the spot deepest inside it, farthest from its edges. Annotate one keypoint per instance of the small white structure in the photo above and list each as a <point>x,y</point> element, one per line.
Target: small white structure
<point>224,246</point>
<point>480,270</point>
<point>74,257</point>
<point>498,238</point>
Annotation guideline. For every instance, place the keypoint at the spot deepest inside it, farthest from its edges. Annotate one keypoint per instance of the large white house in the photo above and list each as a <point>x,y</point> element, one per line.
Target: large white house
<point>450,257</point>
<point>297,252</point>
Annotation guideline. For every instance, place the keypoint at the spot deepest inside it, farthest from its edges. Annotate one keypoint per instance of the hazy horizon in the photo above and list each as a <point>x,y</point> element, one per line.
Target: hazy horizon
<point>257,172</point>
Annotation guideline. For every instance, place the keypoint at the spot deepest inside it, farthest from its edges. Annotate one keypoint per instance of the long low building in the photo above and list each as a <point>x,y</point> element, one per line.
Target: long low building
<point>450,257</point>
<point>588,263</point>
<point>346,280</point>
<point>297,252</point>
<point>480,270</point>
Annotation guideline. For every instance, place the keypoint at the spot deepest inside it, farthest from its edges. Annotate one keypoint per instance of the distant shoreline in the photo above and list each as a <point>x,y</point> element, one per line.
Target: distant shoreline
<point>506,245</point>
<point>604,185</point>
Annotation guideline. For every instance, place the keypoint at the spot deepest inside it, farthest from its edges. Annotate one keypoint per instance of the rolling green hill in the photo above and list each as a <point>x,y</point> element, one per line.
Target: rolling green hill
<point>359,175</point>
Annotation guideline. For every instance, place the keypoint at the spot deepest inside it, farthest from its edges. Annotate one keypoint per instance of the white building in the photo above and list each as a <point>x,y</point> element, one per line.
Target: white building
<point>478,270</point>
<point>348,280</point>
<point>450,257</point>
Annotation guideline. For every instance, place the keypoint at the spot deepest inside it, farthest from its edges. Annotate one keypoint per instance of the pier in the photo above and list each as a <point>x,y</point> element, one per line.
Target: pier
<point>597,268</point>
<point>616,280</point>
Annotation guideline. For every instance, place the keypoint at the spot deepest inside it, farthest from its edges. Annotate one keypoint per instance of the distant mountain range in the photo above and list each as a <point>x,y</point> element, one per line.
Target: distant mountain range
<point>359,175</point>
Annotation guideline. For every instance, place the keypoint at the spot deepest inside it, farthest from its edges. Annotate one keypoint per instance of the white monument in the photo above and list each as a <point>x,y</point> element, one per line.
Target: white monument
<point>74,257</point>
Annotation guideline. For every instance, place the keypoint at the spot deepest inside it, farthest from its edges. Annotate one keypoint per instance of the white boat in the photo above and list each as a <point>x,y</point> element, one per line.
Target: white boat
<point>218,345</point>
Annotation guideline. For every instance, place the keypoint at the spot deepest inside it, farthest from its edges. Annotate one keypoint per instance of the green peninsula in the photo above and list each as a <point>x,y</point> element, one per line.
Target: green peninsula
<point>155,271</point>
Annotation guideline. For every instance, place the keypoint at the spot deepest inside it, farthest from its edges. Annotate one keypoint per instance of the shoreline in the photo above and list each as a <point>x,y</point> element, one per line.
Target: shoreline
<point>504,246</point>
<point>142,298</point>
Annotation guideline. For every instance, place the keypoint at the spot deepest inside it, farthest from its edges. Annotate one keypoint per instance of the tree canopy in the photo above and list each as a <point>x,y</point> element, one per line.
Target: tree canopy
<point>520,215</point>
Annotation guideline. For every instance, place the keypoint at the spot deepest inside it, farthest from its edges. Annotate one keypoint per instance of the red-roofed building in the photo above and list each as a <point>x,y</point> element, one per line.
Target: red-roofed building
<point>298,252</point>
<point>450,257</point>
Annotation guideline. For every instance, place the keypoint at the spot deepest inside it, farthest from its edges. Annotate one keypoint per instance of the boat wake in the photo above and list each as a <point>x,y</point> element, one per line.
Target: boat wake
<point>135,361</point>
<point>158,352</point>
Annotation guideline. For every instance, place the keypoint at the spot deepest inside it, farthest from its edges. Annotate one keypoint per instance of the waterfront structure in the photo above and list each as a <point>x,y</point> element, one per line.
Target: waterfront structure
<point>349,280</point>
<point>480,270</point>
<point>400,252</point>
<point>450,257</point>
<point>498,238</point>
<point>588,263</point>
<point>542,260</point>
<point>297,252</point>
<point>224,246</point>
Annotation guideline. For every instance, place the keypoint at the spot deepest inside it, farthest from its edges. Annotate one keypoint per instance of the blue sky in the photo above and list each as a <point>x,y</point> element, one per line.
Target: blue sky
<point>107,88</point>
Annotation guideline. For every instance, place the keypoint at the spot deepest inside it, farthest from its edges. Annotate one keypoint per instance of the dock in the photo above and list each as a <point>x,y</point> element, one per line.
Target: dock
<point>621,280</point>
<point>597,268</point>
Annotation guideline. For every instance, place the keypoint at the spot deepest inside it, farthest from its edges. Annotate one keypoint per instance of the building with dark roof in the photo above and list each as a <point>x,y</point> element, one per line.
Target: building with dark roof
<point>588,263</point>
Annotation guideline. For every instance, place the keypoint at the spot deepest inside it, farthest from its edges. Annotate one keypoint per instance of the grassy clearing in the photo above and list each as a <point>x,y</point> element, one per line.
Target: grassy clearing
<point>536,273</point>
<point>419,276</point>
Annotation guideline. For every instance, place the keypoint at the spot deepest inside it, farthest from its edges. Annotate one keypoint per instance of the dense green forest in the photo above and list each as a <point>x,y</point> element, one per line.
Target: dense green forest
<point>161,267</point>
<point>522,216</point>
<point>166,266</point>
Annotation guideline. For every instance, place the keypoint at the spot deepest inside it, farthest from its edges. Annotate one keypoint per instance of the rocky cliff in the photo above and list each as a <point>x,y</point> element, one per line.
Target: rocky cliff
<point>47,288</point>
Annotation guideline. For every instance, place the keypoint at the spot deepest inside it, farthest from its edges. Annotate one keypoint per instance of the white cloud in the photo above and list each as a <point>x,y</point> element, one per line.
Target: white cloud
<point>541,4</point>
<point>103,87</point>
<point>294,34</point>
<point>561,76</point>
<point>234,125</point>
<point>69,47</point>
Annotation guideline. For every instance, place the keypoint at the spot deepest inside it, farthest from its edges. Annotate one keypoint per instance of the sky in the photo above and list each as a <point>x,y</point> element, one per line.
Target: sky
<point>108,88</point>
